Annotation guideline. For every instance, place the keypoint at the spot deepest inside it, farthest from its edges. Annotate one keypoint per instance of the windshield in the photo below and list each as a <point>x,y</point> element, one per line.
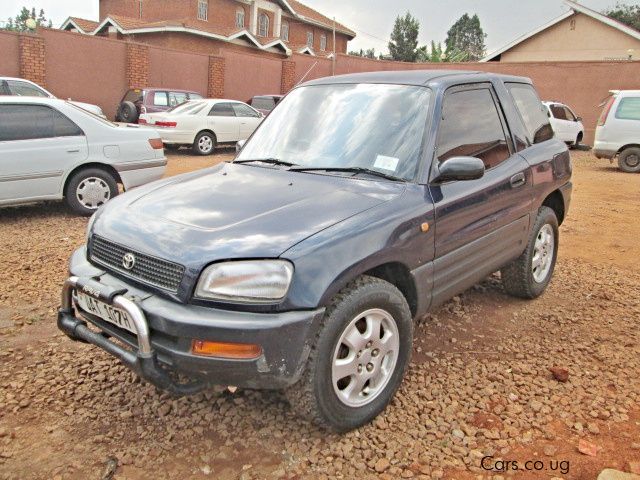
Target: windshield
<point>368,126</point>
<point>188,107</point>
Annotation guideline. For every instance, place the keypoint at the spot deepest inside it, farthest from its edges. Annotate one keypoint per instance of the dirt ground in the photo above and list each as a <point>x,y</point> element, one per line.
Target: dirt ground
<point>478,393</point>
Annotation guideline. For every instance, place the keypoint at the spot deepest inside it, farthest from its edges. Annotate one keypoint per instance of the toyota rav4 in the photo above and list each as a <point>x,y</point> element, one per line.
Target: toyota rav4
<point>359,204</point>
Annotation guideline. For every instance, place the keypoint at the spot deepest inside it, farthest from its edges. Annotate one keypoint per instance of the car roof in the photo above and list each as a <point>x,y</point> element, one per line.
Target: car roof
<point>27,100</point>
<point>417,77</point>
<point>162,89</point>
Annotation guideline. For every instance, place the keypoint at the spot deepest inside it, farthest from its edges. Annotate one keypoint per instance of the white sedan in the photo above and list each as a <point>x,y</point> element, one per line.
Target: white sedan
<point>203,124</point>
<point>51,149</point>
<point>566,125</point>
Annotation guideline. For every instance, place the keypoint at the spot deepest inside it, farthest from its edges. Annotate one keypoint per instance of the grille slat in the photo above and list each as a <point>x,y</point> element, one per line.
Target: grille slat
<point>147,269</point>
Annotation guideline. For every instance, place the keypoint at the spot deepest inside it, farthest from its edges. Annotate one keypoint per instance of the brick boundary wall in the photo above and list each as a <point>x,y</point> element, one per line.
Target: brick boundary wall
<point>32,59</point>
<point>215,86</point>
<point>288,76</point>
<point>137,73</point>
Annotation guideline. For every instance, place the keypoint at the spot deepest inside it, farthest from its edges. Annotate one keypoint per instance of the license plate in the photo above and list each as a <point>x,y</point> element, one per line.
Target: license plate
<point>106,312</point>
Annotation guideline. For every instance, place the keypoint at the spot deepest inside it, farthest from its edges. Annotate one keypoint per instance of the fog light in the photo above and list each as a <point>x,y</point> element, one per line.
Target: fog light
<point>226,350</point>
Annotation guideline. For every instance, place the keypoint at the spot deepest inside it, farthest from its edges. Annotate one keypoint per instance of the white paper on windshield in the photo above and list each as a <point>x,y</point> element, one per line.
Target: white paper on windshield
<point>386,163</point>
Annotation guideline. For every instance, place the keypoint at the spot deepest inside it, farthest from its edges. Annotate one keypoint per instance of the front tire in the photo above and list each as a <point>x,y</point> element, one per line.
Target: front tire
<point>359,358</point>
<point>529,275</point>
<point>204,144</point>
<point>629,160</point>
<point>89,189</point>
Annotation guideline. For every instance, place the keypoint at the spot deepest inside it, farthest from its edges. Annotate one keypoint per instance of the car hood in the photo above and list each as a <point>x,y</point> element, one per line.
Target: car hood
<point>235,211</point>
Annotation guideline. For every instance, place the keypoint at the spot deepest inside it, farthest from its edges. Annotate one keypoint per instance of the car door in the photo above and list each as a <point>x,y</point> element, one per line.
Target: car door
<point>561,124</point>
<point>479,224</point>
<point>223,122</point>
<point>38,144</point>
<point>248,120</point>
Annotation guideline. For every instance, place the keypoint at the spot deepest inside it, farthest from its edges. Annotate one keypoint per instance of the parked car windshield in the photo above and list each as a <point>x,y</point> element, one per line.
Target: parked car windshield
<point>369,126</point>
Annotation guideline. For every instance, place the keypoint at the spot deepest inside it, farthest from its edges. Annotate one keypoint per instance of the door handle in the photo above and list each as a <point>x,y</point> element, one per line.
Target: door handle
<point>518,180</point>
<point>74,151</point>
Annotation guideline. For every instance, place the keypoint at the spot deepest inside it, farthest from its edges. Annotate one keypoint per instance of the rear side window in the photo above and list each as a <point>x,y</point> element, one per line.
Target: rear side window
<point>244,110</point>
<point>195,96</point>
<point>160,99</point>
<point>222,110</point>
<point>27,122</point>
<point>177,98</point>
<point>629,109</point>
<point>471,126</point>
<point>134,96</point>
<point>532,112</point>
<point>262,103</point>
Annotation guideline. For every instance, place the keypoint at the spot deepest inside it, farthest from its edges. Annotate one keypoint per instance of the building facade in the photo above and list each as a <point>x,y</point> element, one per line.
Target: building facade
<point>581,34</point>
<point>278,27</point>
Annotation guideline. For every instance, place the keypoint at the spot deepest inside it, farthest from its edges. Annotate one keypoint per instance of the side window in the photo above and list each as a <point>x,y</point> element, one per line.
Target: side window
<point>24,89</point>
<point>64,127</point>
<point>310,39</point>
<point>160,99</point>
<point>263,103</point>
<point>177,98</point>
<point>195,96</point>
<point>26,122</point>
<point>629,109</point>
<point>570,116</point>
<point>471,126</point>
<point>558,112</point>
<point>532,111</point>
<point>243,110</point>
<point>222,110</point>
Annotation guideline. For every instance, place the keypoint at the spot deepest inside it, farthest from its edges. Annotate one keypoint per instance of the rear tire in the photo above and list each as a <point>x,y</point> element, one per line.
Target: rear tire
<point>204,144</point>
<point>529,275</point>
<point>89,189</point>
<point>578,140</point>
<point>629,160</point>
<point>359,357</point>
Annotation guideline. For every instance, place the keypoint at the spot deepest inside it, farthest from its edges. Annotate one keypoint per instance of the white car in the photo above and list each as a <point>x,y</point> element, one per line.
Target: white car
<point>51,149</point>
<point>203,124</point>
<point>567,125</point>
<point>24,88</point>
<point>618,130</point>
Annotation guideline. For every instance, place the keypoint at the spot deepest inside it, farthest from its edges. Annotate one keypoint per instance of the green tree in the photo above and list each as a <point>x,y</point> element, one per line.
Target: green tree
<point>465,40</point>
<point>627,14</point>
<point>404,39</point>
<point>368,53</point>
<point>19,22</point>
<point>436,52</point>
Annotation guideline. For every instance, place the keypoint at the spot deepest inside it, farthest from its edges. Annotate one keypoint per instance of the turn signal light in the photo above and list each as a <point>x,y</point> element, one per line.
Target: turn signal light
<point>156,143</point>
<point>243,351</point>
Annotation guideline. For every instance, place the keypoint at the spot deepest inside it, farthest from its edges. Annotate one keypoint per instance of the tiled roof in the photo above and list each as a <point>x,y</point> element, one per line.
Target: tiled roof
<point>85,25</point>
<point>311,14</point>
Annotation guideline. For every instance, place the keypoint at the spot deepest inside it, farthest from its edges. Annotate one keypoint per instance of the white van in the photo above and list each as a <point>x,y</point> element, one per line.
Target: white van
<point>618,130</point>
<point>566,125</point>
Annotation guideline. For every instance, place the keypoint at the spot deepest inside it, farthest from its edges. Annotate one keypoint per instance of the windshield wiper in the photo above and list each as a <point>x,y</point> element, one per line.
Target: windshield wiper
<point>356,170</point>
<point>271,161</point>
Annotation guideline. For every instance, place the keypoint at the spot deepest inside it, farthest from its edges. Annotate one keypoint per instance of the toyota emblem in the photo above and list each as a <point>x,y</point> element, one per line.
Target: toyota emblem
<point>128,261</point>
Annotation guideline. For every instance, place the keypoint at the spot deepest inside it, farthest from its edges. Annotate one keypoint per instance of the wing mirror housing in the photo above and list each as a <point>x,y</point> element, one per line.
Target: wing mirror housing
<point>578,119</point>
<point>459,168</point>
<point>239,145</point>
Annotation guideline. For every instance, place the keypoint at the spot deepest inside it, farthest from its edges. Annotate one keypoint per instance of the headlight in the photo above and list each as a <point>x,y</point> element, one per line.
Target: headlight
<point>251,280</point>
<point>92,220</point>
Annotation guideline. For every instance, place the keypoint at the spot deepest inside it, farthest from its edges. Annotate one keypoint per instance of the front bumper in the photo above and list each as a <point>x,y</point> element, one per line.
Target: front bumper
<point>166,329</point>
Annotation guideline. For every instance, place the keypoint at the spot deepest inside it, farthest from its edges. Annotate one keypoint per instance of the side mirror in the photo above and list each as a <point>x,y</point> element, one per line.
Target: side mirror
<point>459,168</point>
<point>239,145</point>
<point>578,119</point>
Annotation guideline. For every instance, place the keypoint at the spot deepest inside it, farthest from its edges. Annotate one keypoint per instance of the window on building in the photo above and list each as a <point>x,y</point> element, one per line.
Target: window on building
<point>310,39</point>
<point>471,126</point>
<point>284,31</point>
<point>532,112</point>
<point>203,9</point>
<point>263,25</point>
<point>323,42</point>
<point>240,18</point>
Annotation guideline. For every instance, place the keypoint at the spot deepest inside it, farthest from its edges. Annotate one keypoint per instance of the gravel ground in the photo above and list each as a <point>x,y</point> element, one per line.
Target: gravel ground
<point>479,384</point>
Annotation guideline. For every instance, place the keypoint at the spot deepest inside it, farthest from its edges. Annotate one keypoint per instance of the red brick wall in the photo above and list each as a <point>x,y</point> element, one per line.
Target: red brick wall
<point>151,10</point>
<point>288,76</point>
<point>10,56</point>
<point>216,77</point>
<point>178,69</point>
<point>249,75</point>
<point>32,59</point>
<point>137,73</point>
<point>298,35</point>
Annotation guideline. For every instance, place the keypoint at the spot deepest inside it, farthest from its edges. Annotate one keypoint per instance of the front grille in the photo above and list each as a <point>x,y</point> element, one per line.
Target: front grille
<point>146,269</point>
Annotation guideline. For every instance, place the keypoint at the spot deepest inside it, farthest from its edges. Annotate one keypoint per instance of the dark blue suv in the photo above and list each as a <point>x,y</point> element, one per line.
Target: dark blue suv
<point>361,202</point>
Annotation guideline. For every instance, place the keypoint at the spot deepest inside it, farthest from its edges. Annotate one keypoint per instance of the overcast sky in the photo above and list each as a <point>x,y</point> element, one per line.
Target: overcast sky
<point>373,19</point>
